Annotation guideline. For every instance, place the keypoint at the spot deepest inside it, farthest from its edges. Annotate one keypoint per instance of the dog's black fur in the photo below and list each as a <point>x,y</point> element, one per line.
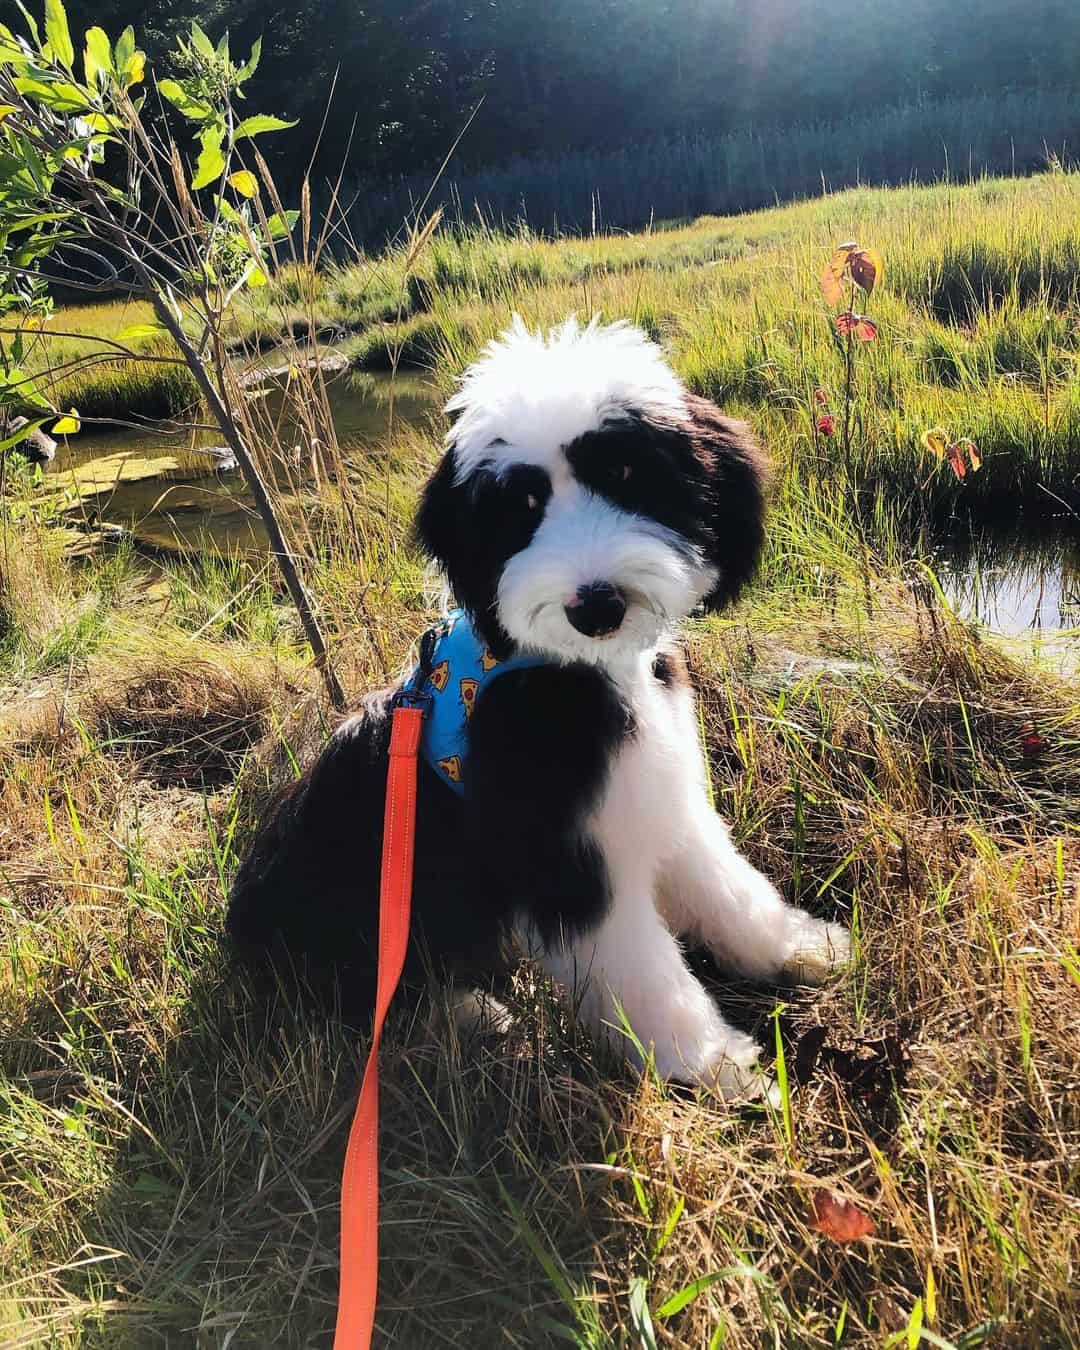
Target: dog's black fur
<point>541,740</point>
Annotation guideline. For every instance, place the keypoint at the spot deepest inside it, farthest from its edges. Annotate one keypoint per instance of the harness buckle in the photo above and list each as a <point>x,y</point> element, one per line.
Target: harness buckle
<point>411,698</point>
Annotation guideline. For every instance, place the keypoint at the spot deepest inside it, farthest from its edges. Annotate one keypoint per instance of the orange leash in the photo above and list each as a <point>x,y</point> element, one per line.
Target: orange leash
<point>359,1273</point>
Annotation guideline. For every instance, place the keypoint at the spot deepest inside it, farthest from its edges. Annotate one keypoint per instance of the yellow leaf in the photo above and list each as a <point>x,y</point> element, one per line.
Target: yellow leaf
<point>5,109</point>
<point>133,72</point>
<point>931,1296</point>
<point>67,426</point>
<point>256,277</point>
<point>244,182</point>
<point>936,440</point>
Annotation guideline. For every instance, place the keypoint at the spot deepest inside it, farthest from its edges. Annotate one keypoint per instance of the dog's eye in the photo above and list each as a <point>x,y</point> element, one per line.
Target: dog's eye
<point>620,472</point>
<point>532,502</point>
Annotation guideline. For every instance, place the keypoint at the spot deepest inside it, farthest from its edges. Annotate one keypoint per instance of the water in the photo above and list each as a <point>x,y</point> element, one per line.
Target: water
<point>1015,583</point>
<point>171,498</point>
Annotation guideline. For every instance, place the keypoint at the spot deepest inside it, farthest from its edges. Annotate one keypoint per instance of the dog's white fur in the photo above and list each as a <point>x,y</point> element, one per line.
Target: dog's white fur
<point>673,869</point>
<point>675,874</point>
<point>535,394</point>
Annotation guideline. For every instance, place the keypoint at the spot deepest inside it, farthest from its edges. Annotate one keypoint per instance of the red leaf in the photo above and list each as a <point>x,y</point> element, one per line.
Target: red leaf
<point>850,322</point>
<point>1032,744</point>
<point>866,268</point>
<point>974,458</point>
<point>826,424</point>
<point>956,460</point>
<point>839,1219</point>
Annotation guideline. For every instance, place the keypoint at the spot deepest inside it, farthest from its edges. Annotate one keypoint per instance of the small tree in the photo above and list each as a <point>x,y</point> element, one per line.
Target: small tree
<point>92,178</point>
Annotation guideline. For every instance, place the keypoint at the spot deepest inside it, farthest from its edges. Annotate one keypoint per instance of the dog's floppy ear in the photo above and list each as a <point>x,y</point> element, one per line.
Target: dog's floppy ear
<point>734,471</point>
<point>438,521</point>
<point>455,528</point>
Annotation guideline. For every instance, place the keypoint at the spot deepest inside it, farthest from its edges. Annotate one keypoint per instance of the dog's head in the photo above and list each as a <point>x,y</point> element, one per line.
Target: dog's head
<point>586,501</point>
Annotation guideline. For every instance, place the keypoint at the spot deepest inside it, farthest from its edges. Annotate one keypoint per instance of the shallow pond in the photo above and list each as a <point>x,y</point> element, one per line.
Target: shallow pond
<point>172,498</point>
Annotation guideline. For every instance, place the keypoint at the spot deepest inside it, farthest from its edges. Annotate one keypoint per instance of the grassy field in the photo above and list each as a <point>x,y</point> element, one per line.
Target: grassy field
<point>978,321</point>
<point>170,1156</point>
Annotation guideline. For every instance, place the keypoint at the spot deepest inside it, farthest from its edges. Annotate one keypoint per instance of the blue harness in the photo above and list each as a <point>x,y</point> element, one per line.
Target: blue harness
<point>454,668</point>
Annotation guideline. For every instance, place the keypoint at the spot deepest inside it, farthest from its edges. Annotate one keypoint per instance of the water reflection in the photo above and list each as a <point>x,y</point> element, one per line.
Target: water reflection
<point>172,498</point>
<point>1016,582</point>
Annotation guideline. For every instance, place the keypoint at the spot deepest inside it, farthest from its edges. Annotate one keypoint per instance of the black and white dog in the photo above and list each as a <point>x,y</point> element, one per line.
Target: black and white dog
<point>586,503</point>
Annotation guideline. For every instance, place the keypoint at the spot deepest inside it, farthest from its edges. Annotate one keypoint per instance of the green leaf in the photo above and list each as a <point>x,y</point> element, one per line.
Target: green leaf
<point>223,46</point>
<point>669,1227</point>
<point>101,123</point>
<point>255,126</point>
<point>256,277</point>
<point>141,332</point>
<point>97,58</point>
<point>135,69</point>
<point>211,161</point>
<point>31,23</point>
<point>125,48</point>
<point>201,42</point>
<point>914,1326</point>
<point>677,1302</point>
<point>59,97</point>
<point>9,46</point>
<point>28,222</point>
<point>252,63</point>
<point>278,226</point>
<point>244,182</point>
<point>57,34</point>
<point>179,97</point>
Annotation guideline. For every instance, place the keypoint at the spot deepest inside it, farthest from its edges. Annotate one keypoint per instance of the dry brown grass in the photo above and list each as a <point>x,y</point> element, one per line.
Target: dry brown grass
<point>162,1129</point>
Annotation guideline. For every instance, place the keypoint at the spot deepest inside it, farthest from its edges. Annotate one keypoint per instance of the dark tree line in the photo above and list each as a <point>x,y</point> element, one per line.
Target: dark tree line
<point>596,74</point>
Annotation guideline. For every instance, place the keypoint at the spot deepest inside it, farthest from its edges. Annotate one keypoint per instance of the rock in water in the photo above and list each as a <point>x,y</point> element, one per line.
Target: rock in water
<point>37,447</point>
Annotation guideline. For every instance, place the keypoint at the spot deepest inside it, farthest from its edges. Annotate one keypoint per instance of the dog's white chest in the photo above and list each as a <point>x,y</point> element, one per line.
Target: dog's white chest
<point>657,774</point>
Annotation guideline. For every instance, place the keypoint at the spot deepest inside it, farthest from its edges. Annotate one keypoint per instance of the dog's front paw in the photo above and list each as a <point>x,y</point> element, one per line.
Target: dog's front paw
<point>817,949</point>
<point>719,1059</point>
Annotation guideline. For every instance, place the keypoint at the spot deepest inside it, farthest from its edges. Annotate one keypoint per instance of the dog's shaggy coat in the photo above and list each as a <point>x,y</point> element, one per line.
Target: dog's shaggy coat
<point>586,503</point>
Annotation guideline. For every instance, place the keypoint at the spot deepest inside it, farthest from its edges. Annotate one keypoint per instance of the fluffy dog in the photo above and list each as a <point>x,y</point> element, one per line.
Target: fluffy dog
<point>586,503</point>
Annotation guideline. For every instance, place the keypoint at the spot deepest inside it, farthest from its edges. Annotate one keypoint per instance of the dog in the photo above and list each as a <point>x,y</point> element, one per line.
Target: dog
<point>585,504</point>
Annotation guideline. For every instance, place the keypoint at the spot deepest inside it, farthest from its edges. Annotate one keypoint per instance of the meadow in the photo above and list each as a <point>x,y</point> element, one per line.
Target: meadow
<point>170,1150</point>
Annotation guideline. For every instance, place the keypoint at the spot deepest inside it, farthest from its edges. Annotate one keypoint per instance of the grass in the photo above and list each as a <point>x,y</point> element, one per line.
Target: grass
<point>79,366</point>
<point>170,1155</point>
<point>978,323</point>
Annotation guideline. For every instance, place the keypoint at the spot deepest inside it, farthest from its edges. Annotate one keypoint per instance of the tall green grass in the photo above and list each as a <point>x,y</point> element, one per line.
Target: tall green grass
<point>977,325</point>
<point>78,366</point>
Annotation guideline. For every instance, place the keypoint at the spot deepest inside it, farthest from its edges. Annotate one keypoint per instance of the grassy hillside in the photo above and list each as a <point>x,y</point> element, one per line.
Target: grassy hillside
<point>170,1157</point>
<point>978,320</point>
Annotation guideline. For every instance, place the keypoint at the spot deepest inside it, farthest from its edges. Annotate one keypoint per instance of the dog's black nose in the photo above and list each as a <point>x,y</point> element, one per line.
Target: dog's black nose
<point>597,609</point>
